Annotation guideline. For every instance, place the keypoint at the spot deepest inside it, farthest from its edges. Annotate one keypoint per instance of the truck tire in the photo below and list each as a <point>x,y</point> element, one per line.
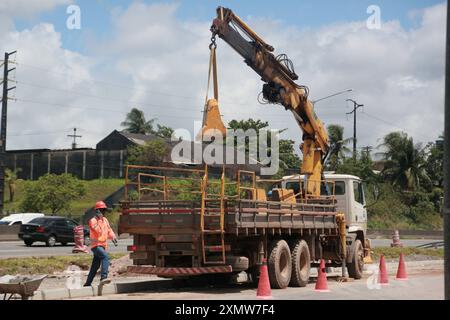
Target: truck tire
<point>279,264</point>
<point>355,268</point>
<point>301,264</point>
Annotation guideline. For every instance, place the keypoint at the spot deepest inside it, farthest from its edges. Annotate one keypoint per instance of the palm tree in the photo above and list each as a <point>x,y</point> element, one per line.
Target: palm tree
<point>404,161</point>
<point>11,178</point>
<point>135,122</point>
<point>338,145</point>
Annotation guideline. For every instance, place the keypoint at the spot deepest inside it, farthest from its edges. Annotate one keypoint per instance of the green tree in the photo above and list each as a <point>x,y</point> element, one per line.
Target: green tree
<point>435,163</point>
<point>248,124</point>
<point>135,122</point>
<point>151,153</point>
<point>164,131</point>
<point>404,162</point>
<point>11,179</point>
<point>52,193</point>
<point>288,158</point>
<point>338,146</point>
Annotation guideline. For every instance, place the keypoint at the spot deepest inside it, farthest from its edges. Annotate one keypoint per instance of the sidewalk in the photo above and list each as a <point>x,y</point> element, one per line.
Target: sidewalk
<point>136,284</point>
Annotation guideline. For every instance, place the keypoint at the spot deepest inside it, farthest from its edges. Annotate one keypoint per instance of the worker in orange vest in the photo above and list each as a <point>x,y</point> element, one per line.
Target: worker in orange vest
<point>100,232</point>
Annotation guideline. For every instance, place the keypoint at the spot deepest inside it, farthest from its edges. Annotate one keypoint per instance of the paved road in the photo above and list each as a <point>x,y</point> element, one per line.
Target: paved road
<point>424,285</point>
<point>9,249</point>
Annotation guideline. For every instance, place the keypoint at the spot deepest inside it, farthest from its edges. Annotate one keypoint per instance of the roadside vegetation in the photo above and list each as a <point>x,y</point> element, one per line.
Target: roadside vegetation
<point>48,265</point>
<point>407,191</point>
<point>93,191</point>
<point>394,253</point>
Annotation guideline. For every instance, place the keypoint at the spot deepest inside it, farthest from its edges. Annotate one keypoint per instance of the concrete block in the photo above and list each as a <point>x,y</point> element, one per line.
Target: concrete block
<point>109,289</point>
<point>81,292</point>
<point>55,294</point>
<point>37,296</point>
<point>95,290</point>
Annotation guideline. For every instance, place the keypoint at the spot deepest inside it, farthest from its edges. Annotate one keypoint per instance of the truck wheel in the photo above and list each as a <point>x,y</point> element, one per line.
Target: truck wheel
<point>301,264</point>
<point>279,264</point>
<point>355,268</point>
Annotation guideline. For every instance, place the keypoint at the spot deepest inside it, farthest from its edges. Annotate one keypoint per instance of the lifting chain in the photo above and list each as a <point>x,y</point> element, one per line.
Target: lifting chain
<point>213,42</point>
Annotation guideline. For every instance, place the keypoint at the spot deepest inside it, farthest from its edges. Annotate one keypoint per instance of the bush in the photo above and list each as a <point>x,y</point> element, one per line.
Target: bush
<point>402,210</point>
<point>52,193</point>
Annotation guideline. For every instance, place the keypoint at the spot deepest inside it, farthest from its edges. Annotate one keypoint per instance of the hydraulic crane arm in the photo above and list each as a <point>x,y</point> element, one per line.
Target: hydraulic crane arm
<point>278,75</point>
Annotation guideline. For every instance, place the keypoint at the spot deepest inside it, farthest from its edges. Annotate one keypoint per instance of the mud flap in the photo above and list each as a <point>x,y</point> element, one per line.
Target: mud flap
<point>351,237</point>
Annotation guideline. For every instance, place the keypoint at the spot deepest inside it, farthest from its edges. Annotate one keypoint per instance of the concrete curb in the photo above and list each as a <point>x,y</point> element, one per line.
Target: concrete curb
<point>113,288</point>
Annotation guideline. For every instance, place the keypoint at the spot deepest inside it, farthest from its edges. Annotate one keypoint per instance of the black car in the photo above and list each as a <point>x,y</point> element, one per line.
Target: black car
<point>50,230</point>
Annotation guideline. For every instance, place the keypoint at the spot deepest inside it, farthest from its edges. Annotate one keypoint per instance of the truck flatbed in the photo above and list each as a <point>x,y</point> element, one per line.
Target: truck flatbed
<point>241,217</point>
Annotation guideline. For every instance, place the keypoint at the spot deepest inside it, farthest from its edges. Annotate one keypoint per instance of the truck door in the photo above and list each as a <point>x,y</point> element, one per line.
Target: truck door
<point>340,194</point>
<point>359,214</point>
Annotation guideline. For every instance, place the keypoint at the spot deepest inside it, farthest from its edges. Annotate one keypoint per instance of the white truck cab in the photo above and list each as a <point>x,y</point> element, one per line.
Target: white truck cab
<point>349,193</point>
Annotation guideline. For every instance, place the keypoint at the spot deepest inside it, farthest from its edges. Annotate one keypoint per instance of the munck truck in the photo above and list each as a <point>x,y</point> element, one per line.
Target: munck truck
<point>224,226</point>
<point>224,233</point>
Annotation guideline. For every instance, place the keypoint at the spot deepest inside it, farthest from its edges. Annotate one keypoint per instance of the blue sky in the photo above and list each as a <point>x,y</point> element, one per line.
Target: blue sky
<point>136,62</point>
<point>97,18</point>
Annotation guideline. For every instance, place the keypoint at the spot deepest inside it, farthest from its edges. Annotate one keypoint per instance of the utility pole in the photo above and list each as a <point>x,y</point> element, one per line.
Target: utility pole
<point>3,123</point>
<point>367,150</point>
<point>446,209</point>
<point>74,136</point>
<point>356,106</point>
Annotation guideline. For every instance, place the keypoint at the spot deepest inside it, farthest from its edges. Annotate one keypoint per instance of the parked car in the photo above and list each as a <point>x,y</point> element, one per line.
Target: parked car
<point>50,229</point>
<point>19,218</point>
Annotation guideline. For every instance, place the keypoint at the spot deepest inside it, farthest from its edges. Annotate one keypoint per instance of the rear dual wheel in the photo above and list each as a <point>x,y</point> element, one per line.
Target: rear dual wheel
<point>301,264</point>
<point>279,264</point>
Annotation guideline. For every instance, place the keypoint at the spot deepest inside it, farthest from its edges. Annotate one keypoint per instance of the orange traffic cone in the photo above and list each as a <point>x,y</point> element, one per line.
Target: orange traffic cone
<point>383,277</point>
<point>401,271</point>
<point>264,291</point>
<point>321,284</point>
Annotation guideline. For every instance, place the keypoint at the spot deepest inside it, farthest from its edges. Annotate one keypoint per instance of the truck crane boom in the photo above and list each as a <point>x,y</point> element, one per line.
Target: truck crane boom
<point>279,87</point>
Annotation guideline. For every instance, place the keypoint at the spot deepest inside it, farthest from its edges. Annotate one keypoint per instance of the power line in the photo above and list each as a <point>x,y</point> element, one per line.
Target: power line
<point>138,89</point>
<point>140,103</point>
<point>47,70</point>
<point>394,125</point>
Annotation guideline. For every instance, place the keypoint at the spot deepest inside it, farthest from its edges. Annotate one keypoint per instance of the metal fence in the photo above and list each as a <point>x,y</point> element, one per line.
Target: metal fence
<point>83,164</point>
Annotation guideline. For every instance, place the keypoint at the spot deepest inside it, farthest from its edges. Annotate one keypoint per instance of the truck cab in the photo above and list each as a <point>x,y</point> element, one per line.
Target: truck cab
<point>349,193</point>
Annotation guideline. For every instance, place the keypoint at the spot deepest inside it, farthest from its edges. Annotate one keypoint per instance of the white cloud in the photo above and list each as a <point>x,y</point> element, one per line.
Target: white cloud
<point>27,8</point>
<point>398,74</point>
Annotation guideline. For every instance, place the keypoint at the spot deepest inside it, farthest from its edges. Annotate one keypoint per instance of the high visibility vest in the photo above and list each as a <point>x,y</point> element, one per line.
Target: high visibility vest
<point>100,232</point>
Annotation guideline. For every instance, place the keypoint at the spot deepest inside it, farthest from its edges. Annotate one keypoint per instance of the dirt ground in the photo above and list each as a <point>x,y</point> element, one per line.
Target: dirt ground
<point>117,272</point>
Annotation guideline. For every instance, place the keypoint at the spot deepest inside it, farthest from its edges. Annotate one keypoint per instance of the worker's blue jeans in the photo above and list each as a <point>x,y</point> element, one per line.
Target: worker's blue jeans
<point>101,258</point>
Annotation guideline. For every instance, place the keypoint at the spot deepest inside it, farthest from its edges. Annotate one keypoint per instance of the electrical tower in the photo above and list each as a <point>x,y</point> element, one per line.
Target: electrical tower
<point>3,123</point>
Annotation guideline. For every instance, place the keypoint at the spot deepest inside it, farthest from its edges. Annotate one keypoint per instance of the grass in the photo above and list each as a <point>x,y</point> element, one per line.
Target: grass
<point>47,265</point>
<point>390,253</point>
<point>95,190</point>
